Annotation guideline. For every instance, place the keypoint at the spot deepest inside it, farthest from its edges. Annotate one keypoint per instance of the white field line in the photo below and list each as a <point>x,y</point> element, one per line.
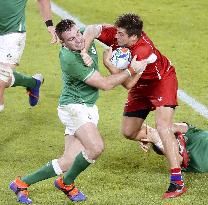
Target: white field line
<point>197,106</point>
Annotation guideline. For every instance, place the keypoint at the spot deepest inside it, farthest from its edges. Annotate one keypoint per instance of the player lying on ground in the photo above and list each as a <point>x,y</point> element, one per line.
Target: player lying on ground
<point>192,141</point>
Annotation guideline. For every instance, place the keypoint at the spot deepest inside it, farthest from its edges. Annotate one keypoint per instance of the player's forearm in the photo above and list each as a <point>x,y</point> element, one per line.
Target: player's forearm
<point>115,80</point>
<point>112,69</point>
<point>91,32</point>
<point>131,81</point>
<point>109,82</point>
<point>45,9</point>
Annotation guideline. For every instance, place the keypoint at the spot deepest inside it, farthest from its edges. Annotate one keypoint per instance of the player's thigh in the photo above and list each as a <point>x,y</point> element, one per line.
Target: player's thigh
<point>11,48</point>
<point>73,116</point>
<point>136,109</point>
<point>131,125</point>
<point>133,120</point>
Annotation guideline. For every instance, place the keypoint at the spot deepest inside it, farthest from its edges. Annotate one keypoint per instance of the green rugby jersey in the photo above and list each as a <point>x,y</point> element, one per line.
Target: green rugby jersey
<point>197,146</point>
<point>74,74</point>
<point>12,16</point>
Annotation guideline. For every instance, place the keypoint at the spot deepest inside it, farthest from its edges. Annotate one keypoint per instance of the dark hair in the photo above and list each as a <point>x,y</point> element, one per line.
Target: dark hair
<point>64,25</point>
<point>131,22</point>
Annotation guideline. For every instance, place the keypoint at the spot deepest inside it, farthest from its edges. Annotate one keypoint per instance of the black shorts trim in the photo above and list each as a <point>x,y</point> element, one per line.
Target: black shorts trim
<point>144,112</point>
<point>171,106</point>
<point>140,113</point>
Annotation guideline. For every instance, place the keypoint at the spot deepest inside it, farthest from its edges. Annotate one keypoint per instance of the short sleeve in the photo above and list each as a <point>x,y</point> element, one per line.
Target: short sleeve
<point>107,35</point>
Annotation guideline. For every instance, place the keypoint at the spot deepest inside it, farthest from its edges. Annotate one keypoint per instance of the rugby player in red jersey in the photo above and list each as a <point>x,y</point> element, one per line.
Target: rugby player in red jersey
<point>155,89</point>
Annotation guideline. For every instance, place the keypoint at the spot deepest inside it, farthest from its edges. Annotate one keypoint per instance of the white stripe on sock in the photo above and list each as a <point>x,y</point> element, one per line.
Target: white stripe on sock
<point>56,167</point>
<point>86,157</point>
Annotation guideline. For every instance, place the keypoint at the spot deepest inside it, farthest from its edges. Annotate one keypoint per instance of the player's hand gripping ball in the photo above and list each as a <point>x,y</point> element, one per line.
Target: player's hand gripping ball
<point>121,57</point>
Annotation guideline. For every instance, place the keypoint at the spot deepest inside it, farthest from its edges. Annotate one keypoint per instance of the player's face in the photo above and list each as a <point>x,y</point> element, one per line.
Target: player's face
<point>73,39</point>
<point>123,38</point>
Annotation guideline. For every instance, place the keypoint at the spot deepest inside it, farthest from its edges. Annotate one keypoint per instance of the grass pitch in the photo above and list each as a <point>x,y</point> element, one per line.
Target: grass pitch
<point>123,175</point>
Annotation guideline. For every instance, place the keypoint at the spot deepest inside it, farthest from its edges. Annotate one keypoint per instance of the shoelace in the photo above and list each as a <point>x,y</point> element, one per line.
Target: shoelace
<point>24,192</point>
<point>70,190</point>
<point>30,94</point>
<point>73,192</point>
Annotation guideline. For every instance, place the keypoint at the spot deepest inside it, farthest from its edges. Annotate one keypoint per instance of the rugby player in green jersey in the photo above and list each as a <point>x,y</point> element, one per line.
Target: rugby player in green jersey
<point>12,43</point>
<point>77,111</point>
<point>192,141</point>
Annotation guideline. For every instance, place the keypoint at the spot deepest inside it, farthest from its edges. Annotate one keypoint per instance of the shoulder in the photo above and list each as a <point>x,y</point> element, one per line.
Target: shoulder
<point>143,47</point>
<point>142,51</point>
<point>107,34</point>
<point>107,29</point>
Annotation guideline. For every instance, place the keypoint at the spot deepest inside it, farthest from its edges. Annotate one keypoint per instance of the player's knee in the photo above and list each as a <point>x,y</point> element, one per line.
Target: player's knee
<point>128,133</point>
<point>98,149</point>
<point>6,76</point>
<point>2,84</point>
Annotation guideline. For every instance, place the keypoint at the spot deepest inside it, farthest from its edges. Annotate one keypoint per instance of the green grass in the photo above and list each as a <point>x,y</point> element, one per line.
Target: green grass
<point>123,175</point>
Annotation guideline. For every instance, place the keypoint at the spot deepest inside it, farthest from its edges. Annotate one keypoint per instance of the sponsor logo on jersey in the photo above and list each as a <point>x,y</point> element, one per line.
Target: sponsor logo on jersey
<point>160,99</point>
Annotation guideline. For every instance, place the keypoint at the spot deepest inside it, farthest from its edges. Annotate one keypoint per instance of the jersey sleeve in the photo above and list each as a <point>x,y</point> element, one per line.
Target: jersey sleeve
<point>73,65</point>
<point>107,35</point>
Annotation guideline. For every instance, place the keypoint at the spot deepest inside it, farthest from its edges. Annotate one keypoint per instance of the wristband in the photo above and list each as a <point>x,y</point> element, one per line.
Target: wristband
<point>49,23</point>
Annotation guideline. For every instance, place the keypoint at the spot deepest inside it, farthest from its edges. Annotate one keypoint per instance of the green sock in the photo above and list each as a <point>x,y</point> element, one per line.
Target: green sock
<point>45,172</point>
<point>23,80</point>
<point>79,165</point>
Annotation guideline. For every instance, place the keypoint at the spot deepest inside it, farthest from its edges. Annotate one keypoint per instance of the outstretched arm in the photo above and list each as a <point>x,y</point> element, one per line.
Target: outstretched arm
<point>45,10</point>
<point>109,82</point>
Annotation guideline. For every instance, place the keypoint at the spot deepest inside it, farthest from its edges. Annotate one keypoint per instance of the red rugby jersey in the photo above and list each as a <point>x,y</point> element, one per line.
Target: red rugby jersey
<point>143,48</point>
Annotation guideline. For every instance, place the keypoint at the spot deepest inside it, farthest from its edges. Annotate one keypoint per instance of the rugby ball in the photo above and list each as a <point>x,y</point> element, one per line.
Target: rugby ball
<point>121,57</point>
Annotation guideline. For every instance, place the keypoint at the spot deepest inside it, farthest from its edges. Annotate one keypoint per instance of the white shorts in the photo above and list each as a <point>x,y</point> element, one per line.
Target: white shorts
<point>11,47</point>
<point>75,115</point>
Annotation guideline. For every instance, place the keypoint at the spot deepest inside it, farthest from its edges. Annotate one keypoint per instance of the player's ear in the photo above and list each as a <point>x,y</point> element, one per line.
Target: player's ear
<point>62,43</point>
<point>134,37</point>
